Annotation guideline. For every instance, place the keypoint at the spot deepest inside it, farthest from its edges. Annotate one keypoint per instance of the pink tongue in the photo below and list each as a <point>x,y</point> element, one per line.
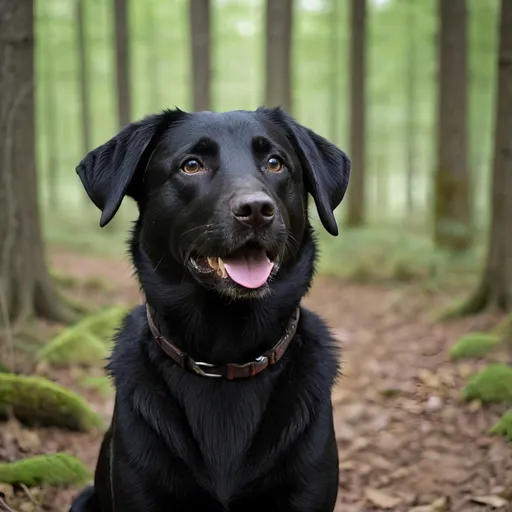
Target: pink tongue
<point>249,270</point>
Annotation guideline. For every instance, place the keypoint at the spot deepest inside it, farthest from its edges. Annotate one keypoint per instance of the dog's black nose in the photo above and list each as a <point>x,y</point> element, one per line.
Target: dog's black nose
<point>255,210</point>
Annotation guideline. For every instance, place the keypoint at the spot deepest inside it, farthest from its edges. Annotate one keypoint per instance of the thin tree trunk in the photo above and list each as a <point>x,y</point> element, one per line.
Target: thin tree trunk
<point>495,289</point>
<point>50,113</point>
<point>122,62</point>
<point>83,79</point>
<point>278,76</point>
<point>153,64</point>
<point>410,133</point>
<point>356,196</point>
<point>334,114</point>
<point>200,44</point>
<point>452,223</point>
<point>25,287</point>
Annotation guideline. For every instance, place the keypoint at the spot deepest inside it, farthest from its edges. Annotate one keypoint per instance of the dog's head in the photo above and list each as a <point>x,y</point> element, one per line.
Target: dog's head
<point>222,196</point>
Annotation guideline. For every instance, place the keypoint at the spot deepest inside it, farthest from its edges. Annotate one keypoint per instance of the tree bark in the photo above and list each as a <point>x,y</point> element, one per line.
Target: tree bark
<point>410,124</point>
<point>495,289</point>
<point>25,286</point>
<point>200,44</point>
<point>124,101</point>
<point>50,113</point>
<point>452,222</point>
<point>278,76</point>
<point>153,64</point>
<point>83,79</point>
<point>356,195</point>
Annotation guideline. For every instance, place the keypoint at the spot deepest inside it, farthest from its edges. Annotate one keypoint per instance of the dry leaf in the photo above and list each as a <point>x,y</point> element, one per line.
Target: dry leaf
<point>493,501</point>
<point>381,499</point>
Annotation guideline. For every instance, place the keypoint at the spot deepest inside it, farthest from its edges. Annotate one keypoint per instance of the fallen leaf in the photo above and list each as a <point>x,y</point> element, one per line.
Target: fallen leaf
<point>493,501</point>
<point>381,499</point>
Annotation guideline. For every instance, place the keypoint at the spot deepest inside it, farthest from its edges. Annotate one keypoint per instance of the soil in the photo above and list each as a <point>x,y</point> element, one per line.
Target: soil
<point>407,442</point>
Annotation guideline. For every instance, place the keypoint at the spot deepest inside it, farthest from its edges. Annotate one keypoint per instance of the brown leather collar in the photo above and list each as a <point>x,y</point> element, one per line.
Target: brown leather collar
<point>229,371</point>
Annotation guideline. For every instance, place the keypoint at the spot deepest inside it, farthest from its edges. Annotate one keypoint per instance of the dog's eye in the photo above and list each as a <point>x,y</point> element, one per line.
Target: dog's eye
<point>191,167</point>
<point>274,164</point>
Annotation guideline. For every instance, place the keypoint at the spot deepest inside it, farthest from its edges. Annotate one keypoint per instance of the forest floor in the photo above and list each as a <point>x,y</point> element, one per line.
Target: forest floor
<point>407,441</point>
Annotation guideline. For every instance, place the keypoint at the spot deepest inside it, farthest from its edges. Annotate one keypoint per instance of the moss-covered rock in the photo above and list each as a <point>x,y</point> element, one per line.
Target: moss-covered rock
<point>491,385</point>
<point>55,469</point>
<point>87,342</point>
<point>504,426</point>
<point>73,346</point>
<point>474,345</point>
<point>35,400</point>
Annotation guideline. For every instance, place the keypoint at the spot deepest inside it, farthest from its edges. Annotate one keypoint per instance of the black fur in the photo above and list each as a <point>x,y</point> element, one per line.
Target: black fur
<point>178,441</point>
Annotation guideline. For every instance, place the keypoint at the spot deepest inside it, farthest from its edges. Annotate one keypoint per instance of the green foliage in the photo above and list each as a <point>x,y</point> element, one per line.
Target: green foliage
<point>35,400</point>
<point>55,469</point>
<point>86,342</point>
<point>473,345</point>
<point>491,385</point>
<point>504,426</point>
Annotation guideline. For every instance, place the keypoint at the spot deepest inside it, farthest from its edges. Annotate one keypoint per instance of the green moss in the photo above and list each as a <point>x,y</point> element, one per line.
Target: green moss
<point>474,345</point>
<point>86,342</point>
<point>74,345</point>
<point>491,385</point>
<point>56,469</point>
<point>35,400</point>
<point>504,426</point>
<point>101,384</point>
<point>504,329</point>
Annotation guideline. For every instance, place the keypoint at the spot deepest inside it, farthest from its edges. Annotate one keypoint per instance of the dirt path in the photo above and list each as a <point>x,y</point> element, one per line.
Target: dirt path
<point>405,438</point>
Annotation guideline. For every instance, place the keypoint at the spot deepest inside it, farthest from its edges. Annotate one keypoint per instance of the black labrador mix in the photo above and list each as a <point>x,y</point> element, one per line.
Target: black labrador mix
<point>223,381</point>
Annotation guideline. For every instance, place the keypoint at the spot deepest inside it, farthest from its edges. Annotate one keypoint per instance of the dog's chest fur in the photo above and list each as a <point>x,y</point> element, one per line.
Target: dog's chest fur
<point>227,434</point>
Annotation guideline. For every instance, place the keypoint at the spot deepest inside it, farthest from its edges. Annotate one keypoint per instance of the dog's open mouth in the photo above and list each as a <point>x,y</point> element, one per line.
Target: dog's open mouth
<point>250,266</point>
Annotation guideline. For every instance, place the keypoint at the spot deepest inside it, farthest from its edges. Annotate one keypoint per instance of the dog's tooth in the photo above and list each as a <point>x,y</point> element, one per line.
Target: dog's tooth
<point>222,269</point>
<point>213,262</point>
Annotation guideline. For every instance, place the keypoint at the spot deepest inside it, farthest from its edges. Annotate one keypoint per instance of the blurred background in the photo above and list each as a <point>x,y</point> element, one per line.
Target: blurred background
<point>417,286</point>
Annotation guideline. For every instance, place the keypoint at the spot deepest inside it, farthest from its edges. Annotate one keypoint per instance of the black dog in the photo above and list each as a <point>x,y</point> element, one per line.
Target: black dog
<point>223,392</point>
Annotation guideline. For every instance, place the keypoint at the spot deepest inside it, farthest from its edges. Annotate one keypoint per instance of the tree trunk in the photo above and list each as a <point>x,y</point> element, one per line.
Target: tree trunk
<point>124,100</point>
<point>200,44</point>
<point>495,289</point>
<point>410,124</point>
<point>153,64</point>
<point>25,286</point>
<point>356,195</point>
<point>278,77</point>
<point>83,79</point>
<point>452,223</point>
<point>50,116</point>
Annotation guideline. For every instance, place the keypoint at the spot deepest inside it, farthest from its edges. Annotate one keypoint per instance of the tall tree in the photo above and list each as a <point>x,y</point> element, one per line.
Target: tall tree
<point>51,106</point>
<point>410,95</point>
<point>25,286</point>
<point>200,43</point>
<point>83,80</point>
<point>495,289</point>
<point>278,75</point>
<point>452,217</point>
<point>124,100</point>
<point>153,64</point>
<point>356,195</point>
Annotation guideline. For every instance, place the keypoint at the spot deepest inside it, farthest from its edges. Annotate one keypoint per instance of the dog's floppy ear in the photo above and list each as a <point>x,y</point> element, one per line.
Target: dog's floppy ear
<point>326,168</point>
<point>111,171</point>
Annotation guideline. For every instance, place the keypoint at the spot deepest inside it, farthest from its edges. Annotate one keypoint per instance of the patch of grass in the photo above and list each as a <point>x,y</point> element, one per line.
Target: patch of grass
<point>491,385</point>
<point>35,400</point>
<point>55,469</point>
<point>389,253</point>
<point>474,345</point>
<point>504,426</point>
